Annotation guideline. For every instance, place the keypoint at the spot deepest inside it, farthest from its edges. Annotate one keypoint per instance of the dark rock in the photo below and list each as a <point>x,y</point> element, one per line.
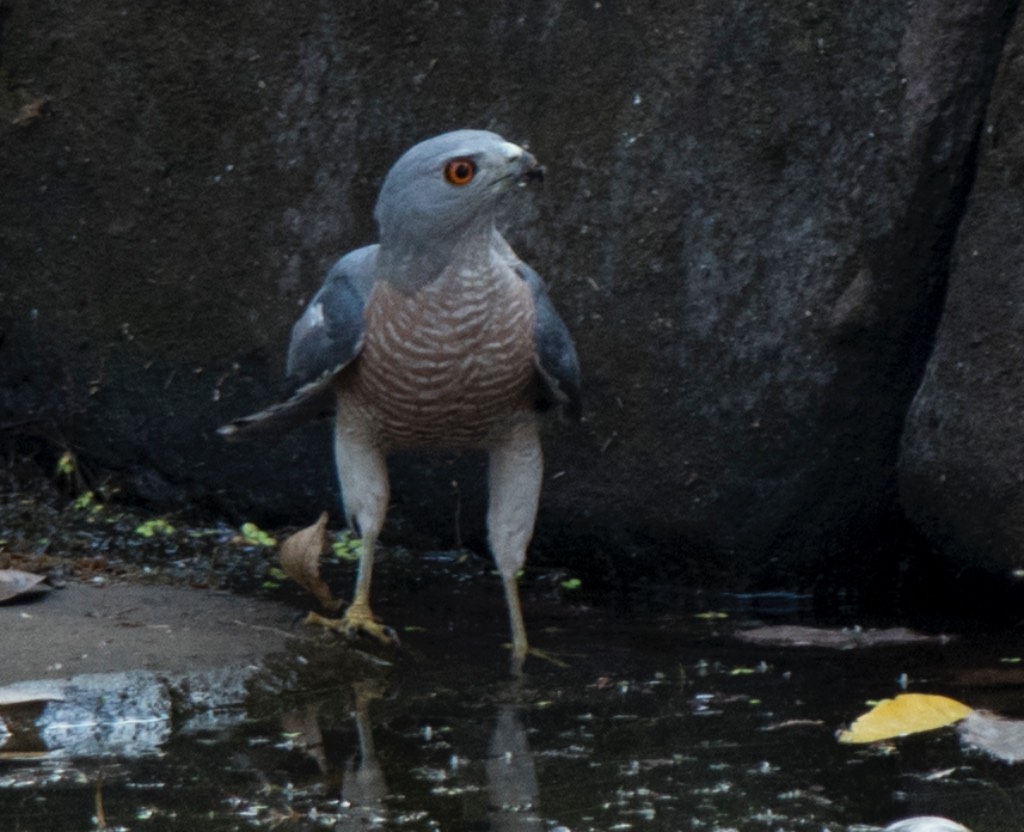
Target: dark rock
<point>962,469</point>
<point>746,225</point>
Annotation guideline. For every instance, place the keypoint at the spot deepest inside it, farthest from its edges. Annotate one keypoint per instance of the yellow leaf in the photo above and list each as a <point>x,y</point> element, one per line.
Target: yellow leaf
<point>908,713</point>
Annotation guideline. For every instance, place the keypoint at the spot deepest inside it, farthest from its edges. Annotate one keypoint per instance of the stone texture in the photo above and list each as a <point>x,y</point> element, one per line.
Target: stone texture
<point>962,469</point>
<point>747,225</point>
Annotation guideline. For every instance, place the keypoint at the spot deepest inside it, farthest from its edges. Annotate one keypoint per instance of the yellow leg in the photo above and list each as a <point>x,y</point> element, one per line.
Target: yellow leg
<point>520,647</point>
<point>359,618</point>
<point>514,478</point>
<point>363,475</point>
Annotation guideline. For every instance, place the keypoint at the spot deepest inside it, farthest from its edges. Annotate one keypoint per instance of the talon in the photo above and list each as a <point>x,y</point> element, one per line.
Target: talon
<point>381,632</point>
<point>312,619</point>
<point>519,659</point>
<point>357,619</point>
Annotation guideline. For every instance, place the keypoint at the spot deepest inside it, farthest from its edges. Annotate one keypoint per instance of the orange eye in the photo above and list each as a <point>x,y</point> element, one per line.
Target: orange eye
<point>460,171</point>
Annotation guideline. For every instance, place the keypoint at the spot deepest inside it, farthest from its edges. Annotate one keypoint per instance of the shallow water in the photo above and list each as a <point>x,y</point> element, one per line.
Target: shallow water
<point>649,721</point>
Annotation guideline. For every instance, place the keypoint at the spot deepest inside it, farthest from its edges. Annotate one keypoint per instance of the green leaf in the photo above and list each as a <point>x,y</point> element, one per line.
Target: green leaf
<point>84,500</point>
<point>253,535</point>
<point>572,583</point>
<point>153,527</point>
<point>66,465</point>
<point>347,547</point>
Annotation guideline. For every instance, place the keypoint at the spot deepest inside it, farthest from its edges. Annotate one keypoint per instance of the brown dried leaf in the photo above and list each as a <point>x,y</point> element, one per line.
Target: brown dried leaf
<point>299,557</point>
<point>14,583</point>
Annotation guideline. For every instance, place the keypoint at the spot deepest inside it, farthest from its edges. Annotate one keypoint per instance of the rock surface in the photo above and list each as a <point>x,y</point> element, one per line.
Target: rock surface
<point>83,629</point>
<point>747,226</point>
<point>962,470</point>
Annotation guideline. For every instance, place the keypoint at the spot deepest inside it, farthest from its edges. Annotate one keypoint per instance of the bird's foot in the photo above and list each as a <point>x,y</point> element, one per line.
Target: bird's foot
<point>519,658</point>
<point>357,619</point>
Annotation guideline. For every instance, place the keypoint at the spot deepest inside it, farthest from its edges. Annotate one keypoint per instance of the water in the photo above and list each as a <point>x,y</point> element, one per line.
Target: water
<point>646,718</point>
<point>647,722</point>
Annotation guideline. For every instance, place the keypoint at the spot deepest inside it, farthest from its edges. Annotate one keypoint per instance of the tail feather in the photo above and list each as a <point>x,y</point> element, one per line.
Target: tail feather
<point>313,401</point>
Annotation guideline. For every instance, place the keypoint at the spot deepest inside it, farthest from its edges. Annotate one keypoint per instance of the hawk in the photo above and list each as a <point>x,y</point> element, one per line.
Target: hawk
<point>437,336</point>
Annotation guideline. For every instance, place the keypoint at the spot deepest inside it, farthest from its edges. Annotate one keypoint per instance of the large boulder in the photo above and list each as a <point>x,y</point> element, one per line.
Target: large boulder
<point>962,469</point>
<point>747,226</point>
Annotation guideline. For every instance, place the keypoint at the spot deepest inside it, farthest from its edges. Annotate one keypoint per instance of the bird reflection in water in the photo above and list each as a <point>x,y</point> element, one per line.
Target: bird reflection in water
<point>363,787</point>
<point>511,774</point>
<point>511,786</point>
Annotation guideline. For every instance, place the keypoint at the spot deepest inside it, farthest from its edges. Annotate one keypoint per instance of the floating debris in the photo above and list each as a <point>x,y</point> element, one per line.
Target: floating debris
<point>16,584</point>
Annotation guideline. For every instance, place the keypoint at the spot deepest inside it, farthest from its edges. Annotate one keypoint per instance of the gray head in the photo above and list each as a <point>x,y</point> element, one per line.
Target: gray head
<point>448,186</point>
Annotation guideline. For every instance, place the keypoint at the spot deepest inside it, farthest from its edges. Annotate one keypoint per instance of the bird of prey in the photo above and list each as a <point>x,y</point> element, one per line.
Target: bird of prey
<point>438,336</point>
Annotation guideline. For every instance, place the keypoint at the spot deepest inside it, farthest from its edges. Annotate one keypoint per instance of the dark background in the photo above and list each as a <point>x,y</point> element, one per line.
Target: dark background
<point>786,236</point>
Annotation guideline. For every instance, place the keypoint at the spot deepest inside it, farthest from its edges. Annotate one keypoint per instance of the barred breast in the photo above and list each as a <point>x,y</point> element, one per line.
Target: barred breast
<point>442,365</point>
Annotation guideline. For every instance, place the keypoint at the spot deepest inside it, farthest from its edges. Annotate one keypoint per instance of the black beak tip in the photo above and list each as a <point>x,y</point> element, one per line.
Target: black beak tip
<point>535,174</point>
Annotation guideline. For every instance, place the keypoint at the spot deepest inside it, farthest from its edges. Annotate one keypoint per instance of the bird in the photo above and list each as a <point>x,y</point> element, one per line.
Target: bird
<point>436,336</point>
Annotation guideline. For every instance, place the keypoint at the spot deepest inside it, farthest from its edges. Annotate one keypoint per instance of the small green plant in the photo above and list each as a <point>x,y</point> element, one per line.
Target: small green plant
<point>275,577</point>
<point>347,546</point>
<point>253,535</point>
<point>86,500</point>
<point>151,528</point>
<point>67,466</point>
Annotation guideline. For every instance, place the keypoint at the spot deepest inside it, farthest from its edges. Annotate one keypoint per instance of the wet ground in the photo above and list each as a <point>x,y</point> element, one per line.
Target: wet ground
<point>647,719</point>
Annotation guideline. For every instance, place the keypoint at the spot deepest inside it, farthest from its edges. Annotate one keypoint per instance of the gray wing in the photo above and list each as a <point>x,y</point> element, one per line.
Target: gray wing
<point>329,334</point>
<point>558,368</point>
<point>325,340</point>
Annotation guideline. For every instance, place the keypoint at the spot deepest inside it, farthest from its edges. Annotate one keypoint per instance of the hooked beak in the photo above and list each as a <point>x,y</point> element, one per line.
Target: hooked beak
<point>530,170</point>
